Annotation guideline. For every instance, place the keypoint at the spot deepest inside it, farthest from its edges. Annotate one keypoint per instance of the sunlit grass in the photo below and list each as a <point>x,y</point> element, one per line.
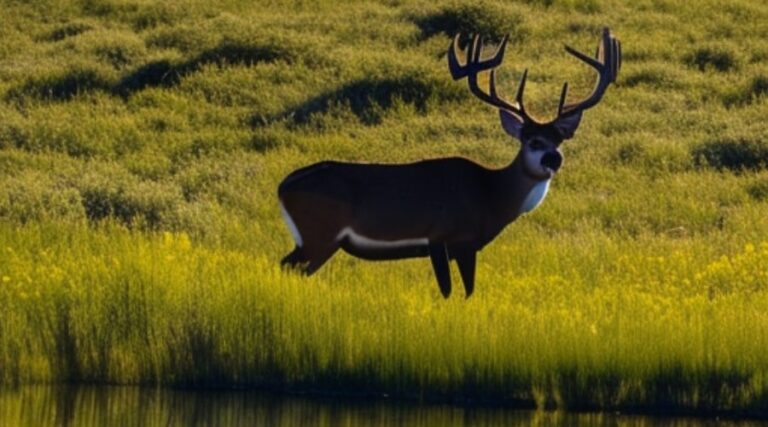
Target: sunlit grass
<point>595,323</point>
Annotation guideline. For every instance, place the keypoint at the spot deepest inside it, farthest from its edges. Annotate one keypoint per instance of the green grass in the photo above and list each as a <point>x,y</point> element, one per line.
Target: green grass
<point>141,146</point>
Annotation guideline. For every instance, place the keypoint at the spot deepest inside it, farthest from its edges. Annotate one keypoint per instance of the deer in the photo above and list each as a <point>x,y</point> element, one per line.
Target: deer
<point>447,209</point>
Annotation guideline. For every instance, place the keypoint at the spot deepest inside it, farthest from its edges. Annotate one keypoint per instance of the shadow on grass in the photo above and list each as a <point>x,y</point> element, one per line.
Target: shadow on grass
<point>755,89</point>
<point>652,77</point>
<point>718,58</point>
<point>758,189</point>
<point>69,29</point>
<point>369,99</point>
<point>734,154</point>
<point>163,72</point>
<point>65,86</point>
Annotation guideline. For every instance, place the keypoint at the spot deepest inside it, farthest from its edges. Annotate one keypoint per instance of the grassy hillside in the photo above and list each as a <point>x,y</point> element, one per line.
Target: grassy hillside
<point>141,145</point>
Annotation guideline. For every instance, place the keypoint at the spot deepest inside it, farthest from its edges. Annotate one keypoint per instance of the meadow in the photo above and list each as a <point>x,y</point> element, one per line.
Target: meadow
<point>141,145</point>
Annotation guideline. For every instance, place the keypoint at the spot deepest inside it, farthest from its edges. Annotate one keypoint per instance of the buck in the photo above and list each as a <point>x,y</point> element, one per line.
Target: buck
<point>446,208</point>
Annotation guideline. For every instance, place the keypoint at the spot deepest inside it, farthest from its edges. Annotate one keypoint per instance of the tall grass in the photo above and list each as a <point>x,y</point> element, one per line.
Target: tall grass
<point>664,322</point>
<point>141,145</point>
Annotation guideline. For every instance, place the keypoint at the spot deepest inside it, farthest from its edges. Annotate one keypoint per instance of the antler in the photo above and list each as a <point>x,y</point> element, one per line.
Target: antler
<point>607,63</point>
<point>473,65</point>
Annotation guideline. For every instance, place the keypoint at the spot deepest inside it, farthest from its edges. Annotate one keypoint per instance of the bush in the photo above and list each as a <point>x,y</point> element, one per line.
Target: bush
<point>734,154</point>
<point>162,72</point>
<point>370,98</point>
<point>758,189</point>
<point>116,194</point>
<point>755,89</point>
<point>489,20</point>
<point>33,196</point>
<point>246,52</point>
<point>758,87</point>
<point>65,85</point>
<point>715,57</point>
<point>67,30</point>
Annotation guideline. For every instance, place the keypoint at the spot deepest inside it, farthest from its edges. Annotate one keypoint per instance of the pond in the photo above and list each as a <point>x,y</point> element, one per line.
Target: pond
<point>136,406</point>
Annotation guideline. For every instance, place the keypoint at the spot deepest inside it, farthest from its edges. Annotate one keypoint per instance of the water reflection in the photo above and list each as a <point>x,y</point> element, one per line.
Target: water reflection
<point>129,406</point>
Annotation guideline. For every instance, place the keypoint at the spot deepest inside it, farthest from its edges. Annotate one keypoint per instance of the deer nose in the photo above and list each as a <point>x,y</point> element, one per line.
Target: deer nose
<point>552,160</point>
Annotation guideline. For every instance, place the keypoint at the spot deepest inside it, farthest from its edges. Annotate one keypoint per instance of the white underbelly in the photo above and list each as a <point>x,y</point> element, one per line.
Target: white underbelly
<point>535,197</point>
<point>366,243</point>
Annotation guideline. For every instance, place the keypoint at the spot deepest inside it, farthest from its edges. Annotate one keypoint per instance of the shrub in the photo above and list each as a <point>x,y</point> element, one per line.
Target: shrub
<point>755,89</point>
<point>487,19</point>
<point>119,195</point>
<point>69,29</point>
<point>758,189</point>
<point>369,98</point>
<point>170,71</point>
<point>715,57</point>
<point>65,85</point>
<point>162,72</point>
<point>734,154</point>
<point>33,196</point>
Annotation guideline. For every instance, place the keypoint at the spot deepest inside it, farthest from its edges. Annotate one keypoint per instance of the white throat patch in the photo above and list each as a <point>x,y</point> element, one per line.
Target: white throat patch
<point>535,197</point>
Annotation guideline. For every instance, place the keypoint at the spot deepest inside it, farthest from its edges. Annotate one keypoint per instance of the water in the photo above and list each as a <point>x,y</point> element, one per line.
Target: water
<point>135,406</point>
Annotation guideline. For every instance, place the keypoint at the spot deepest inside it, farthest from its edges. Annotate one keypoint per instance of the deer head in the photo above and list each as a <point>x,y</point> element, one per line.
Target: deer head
<point>540,140</point>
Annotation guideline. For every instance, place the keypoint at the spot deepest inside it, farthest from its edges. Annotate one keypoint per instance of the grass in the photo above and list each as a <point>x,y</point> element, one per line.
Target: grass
<point>570,331</point>
<point>141,146</point>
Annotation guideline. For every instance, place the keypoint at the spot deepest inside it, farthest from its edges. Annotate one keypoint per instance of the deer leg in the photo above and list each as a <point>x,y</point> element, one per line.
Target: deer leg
<point>293,259</point>
<point>317,256</point>
<point>319,245</point>
<point>438,253</point>
<point>466,260</point>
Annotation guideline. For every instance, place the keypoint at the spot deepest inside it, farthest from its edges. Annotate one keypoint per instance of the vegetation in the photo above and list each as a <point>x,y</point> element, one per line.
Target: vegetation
<point>141,145</point>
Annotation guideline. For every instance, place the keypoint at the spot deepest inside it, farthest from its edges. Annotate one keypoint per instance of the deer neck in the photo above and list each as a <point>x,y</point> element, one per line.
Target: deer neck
<point>521,190</point>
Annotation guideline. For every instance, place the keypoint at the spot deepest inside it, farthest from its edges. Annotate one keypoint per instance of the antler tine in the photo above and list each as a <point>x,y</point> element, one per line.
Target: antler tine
<point>476,46</point>
<point>457,70</point>
<point>500,102</point>
<point>498,56</point>
<point>591,61</point>
<point>474,64</point>
<point>521,89</point>
<point>472,61</point>
<point>616,63</point>
<point>607,63</point>
<point>561,104</point>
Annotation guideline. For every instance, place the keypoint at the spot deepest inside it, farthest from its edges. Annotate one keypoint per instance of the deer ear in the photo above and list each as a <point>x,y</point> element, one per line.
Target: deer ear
<point>512,123</point>
<point>567,125</point>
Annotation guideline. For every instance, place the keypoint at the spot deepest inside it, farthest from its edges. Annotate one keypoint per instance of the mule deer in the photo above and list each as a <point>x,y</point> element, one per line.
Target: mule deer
<point>448,208</point>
